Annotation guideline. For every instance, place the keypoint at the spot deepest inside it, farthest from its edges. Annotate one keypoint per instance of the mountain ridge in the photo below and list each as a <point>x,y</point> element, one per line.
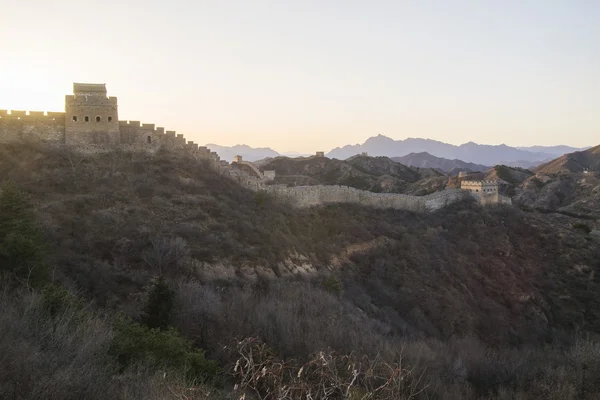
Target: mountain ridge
<point>470,152</point>
<point>426,160</point>
<point>227,153</point>
<point>381,145</point>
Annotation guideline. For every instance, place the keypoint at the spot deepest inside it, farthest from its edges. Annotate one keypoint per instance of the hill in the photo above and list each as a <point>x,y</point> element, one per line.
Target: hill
<point>376,174</point>
<point>573,162</point>
<point>510,175</point>
<point>469,152</point>
<point>480,302</point>
<point>564,185</point>
<point>426,160</point>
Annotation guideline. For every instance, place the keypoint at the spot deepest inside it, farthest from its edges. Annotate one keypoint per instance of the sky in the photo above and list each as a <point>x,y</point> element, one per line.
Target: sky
<point>304,75</point>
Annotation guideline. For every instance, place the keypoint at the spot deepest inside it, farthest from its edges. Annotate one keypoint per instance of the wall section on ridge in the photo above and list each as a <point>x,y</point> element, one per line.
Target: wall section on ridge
<point>307,196</point>
<point>38,126</point>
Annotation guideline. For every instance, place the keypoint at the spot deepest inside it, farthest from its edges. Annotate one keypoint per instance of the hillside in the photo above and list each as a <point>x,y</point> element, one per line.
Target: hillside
<point>469,152</point>
<point>426,160</point>
<point>510,175</point>
<point>562,185</point>
<point>573,162</point>
<point>376,174</point>
<point>481,302</point>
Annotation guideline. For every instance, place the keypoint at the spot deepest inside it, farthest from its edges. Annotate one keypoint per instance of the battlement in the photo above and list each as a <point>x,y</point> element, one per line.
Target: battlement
<point>39,126</point>
<point>90,123</point>
<point>33,115</point>
<point>481,188</point>
<point>482,182</point>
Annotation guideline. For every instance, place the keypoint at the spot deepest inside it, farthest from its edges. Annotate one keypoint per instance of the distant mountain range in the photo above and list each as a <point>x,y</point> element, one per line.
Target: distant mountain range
<point>469,152</point>
<point>426,160</point>
<point>481,154</point>
<point>248,153</point>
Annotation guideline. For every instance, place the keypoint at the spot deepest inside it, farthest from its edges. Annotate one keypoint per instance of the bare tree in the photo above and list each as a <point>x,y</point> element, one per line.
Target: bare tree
<point>166,252</point>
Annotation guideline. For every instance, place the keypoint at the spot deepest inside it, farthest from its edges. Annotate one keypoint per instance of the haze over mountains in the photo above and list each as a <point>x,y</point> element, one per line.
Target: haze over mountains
<point>426,160</point>
<point>469,152</point>
<point>249,153</point>
<point>525,157</point>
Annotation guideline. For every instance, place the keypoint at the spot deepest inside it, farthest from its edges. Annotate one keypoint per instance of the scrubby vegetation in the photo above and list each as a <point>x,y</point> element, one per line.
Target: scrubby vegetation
<point>375,174</point>
<point>162,279</point>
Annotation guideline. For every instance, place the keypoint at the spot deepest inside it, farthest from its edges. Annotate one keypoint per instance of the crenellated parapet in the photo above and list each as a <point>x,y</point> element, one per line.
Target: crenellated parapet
<point>37,126</point>
<point>149,137</point>
<point>90,124</point>
<point>31,115</point>
<point>486,192</point>
<point>480,182</point>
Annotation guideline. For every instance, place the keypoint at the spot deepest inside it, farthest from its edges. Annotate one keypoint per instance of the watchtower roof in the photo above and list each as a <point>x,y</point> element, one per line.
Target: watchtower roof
<point>89,89</point>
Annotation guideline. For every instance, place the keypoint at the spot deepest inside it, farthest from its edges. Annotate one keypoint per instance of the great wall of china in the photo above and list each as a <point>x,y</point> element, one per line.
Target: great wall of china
<point>90,124</point>
<point>307,196</point>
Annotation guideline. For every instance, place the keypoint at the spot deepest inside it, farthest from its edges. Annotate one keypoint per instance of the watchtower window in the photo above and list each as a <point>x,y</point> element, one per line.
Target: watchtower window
<point>98,119</point>
<point>109,119</point>
<point>87,119</point>
<point>149,139</point>
<point>74,118</point>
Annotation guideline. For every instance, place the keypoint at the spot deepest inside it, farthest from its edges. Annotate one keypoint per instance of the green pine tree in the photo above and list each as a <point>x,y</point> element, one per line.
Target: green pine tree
<point>157,313</point>
<point>22,245</point>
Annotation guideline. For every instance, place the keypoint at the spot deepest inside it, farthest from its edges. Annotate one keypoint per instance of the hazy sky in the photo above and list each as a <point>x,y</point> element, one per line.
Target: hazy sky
<point>311,75</point>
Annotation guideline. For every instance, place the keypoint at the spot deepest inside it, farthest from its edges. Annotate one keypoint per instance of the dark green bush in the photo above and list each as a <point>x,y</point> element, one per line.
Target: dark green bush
<point>333,285</point>
<point>56,300</point>
<point>136,344</point>
<point>260,197</point>
<point>582,227</point>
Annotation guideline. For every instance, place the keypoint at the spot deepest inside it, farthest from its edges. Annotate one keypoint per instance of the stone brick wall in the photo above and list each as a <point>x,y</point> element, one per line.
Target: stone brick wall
<point>306,196</point>
<point>485,186</point>
<point>492,199</point>
<point>39,126</point>
<point>90,124</point>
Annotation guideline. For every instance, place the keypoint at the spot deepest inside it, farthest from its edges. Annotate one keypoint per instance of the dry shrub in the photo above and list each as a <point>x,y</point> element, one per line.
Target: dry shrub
<point>64,356</point>
<point>326,375</point>
<point>166,252</point>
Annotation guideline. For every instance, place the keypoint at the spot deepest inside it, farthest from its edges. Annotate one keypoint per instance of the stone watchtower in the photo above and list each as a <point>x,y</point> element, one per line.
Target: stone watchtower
<point>91,117</point>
